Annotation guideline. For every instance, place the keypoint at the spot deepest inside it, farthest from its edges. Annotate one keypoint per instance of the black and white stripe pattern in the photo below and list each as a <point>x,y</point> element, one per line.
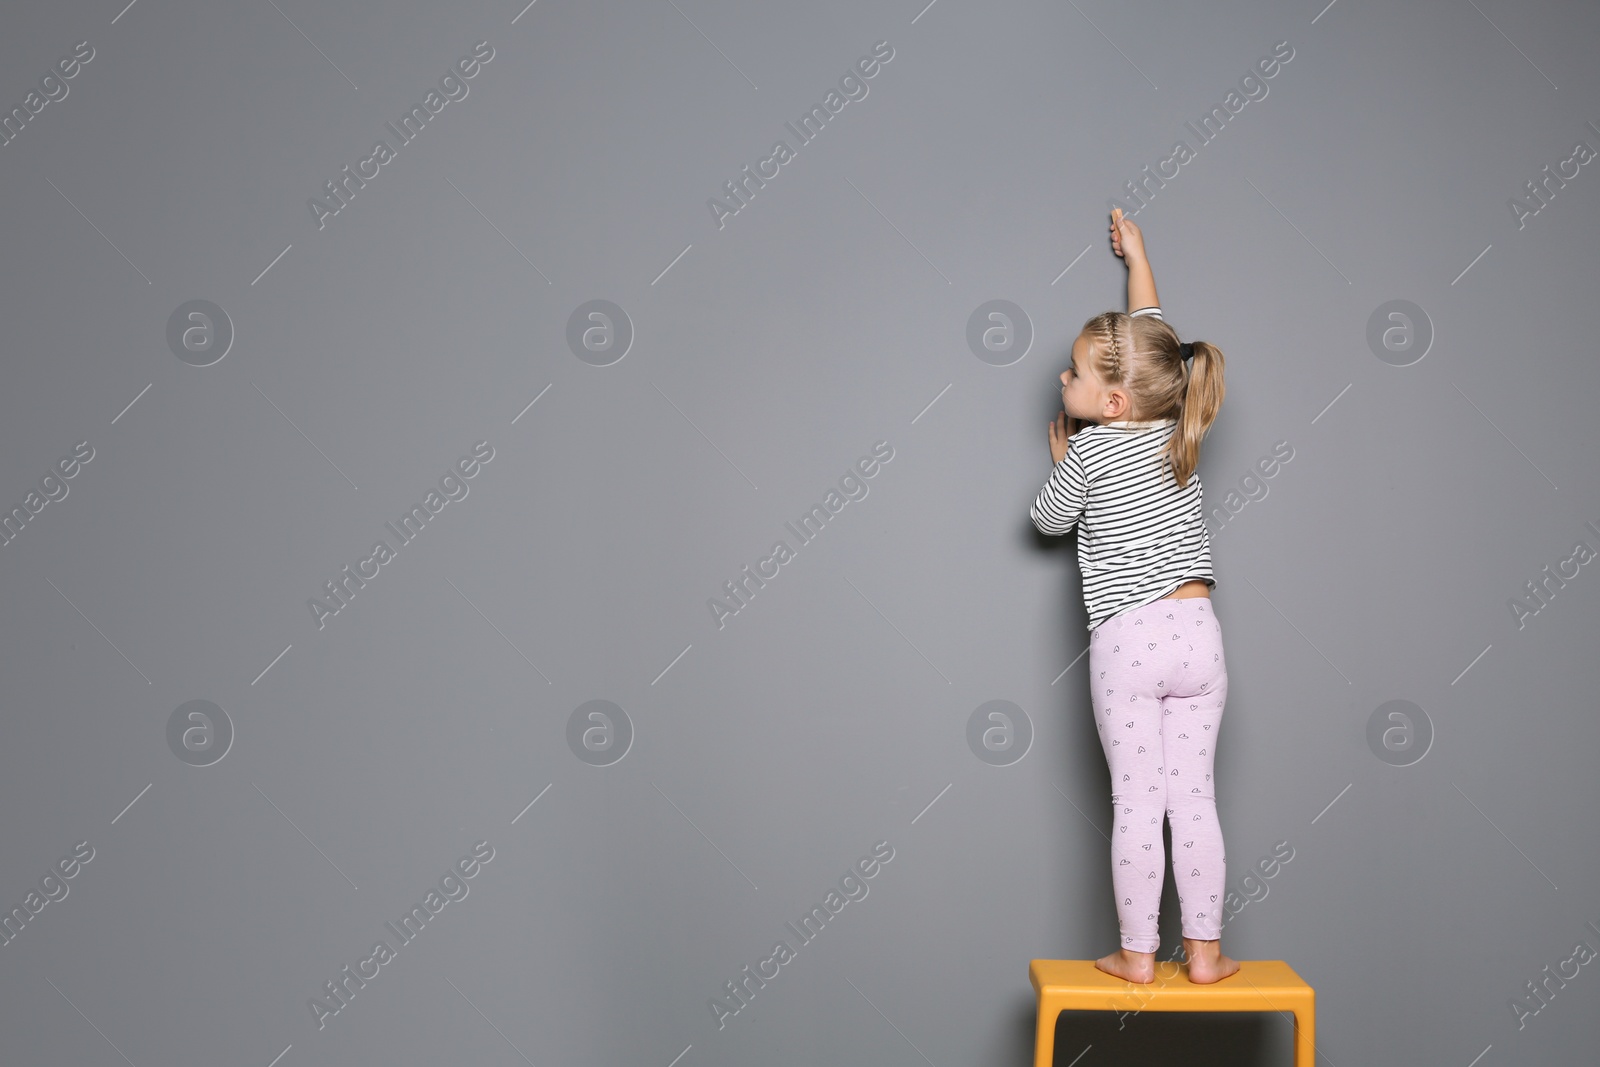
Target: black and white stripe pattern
<point>1139,535</point>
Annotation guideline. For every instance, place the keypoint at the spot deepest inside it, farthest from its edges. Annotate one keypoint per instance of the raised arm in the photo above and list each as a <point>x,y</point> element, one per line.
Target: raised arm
<point>1128,242</point>
<point>1141,285</point>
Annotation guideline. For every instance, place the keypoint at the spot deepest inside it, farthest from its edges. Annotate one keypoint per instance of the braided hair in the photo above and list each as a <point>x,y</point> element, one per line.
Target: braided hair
<point>1161,378</point>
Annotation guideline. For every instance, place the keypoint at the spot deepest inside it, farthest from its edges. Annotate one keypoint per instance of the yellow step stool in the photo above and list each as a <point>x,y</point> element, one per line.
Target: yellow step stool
<point>1258,985</point>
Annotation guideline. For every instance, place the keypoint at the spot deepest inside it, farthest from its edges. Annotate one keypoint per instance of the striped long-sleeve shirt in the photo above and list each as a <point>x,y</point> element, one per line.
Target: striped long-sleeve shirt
<point>1140,536</point>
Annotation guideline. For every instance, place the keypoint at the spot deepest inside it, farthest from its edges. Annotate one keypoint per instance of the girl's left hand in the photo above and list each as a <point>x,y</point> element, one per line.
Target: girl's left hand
<point>1061,432</point>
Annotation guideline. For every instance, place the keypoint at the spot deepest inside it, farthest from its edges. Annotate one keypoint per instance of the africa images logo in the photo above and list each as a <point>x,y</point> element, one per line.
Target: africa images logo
<point>852,887</point>
<point>812,523</point>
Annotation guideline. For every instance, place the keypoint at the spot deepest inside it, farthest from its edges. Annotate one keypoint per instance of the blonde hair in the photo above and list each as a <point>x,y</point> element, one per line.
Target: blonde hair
<point>1140,356</point>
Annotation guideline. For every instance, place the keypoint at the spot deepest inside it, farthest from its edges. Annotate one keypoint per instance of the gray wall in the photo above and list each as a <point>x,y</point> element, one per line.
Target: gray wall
<point>248,796</point>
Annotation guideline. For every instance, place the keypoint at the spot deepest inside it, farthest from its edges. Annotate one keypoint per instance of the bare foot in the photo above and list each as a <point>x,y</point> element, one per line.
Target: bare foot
<point>1130,966</point>
<point>1207,964</point>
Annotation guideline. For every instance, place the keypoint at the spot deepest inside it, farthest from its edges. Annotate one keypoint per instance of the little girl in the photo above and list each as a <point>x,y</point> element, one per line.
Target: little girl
<point>1157,676</point>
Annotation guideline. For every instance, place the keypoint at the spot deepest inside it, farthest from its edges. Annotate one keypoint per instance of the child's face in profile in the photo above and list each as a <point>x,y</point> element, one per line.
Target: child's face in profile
<point>1082,394</point>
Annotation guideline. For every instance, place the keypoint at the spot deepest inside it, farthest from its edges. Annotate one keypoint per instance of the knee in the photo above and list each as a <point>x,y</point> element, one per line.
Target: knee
<point>1184,806</point>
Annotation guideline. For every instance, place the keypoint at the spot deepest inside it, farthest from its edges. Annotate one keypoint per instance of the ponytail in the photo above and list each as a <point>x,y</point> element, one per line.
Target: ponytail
<point>1202,399</point>
<point>1142,355</point>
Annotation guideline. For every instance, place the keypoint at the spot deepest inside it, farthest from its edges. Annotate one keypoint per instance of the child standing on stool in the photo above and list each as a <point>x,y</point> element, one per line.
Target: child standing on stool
<point>1157,675</point>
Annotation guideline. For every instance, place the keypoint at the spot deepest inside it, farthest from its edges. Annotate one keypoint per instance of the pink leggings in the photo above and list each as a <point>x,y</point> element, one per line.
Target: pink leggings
<point>1159,681</point>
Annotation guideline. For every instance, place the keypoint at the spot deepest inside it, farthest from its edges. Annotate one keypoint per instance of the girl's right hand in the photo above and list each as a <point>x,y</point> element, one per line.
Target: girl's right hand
<point>1126,239</point>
